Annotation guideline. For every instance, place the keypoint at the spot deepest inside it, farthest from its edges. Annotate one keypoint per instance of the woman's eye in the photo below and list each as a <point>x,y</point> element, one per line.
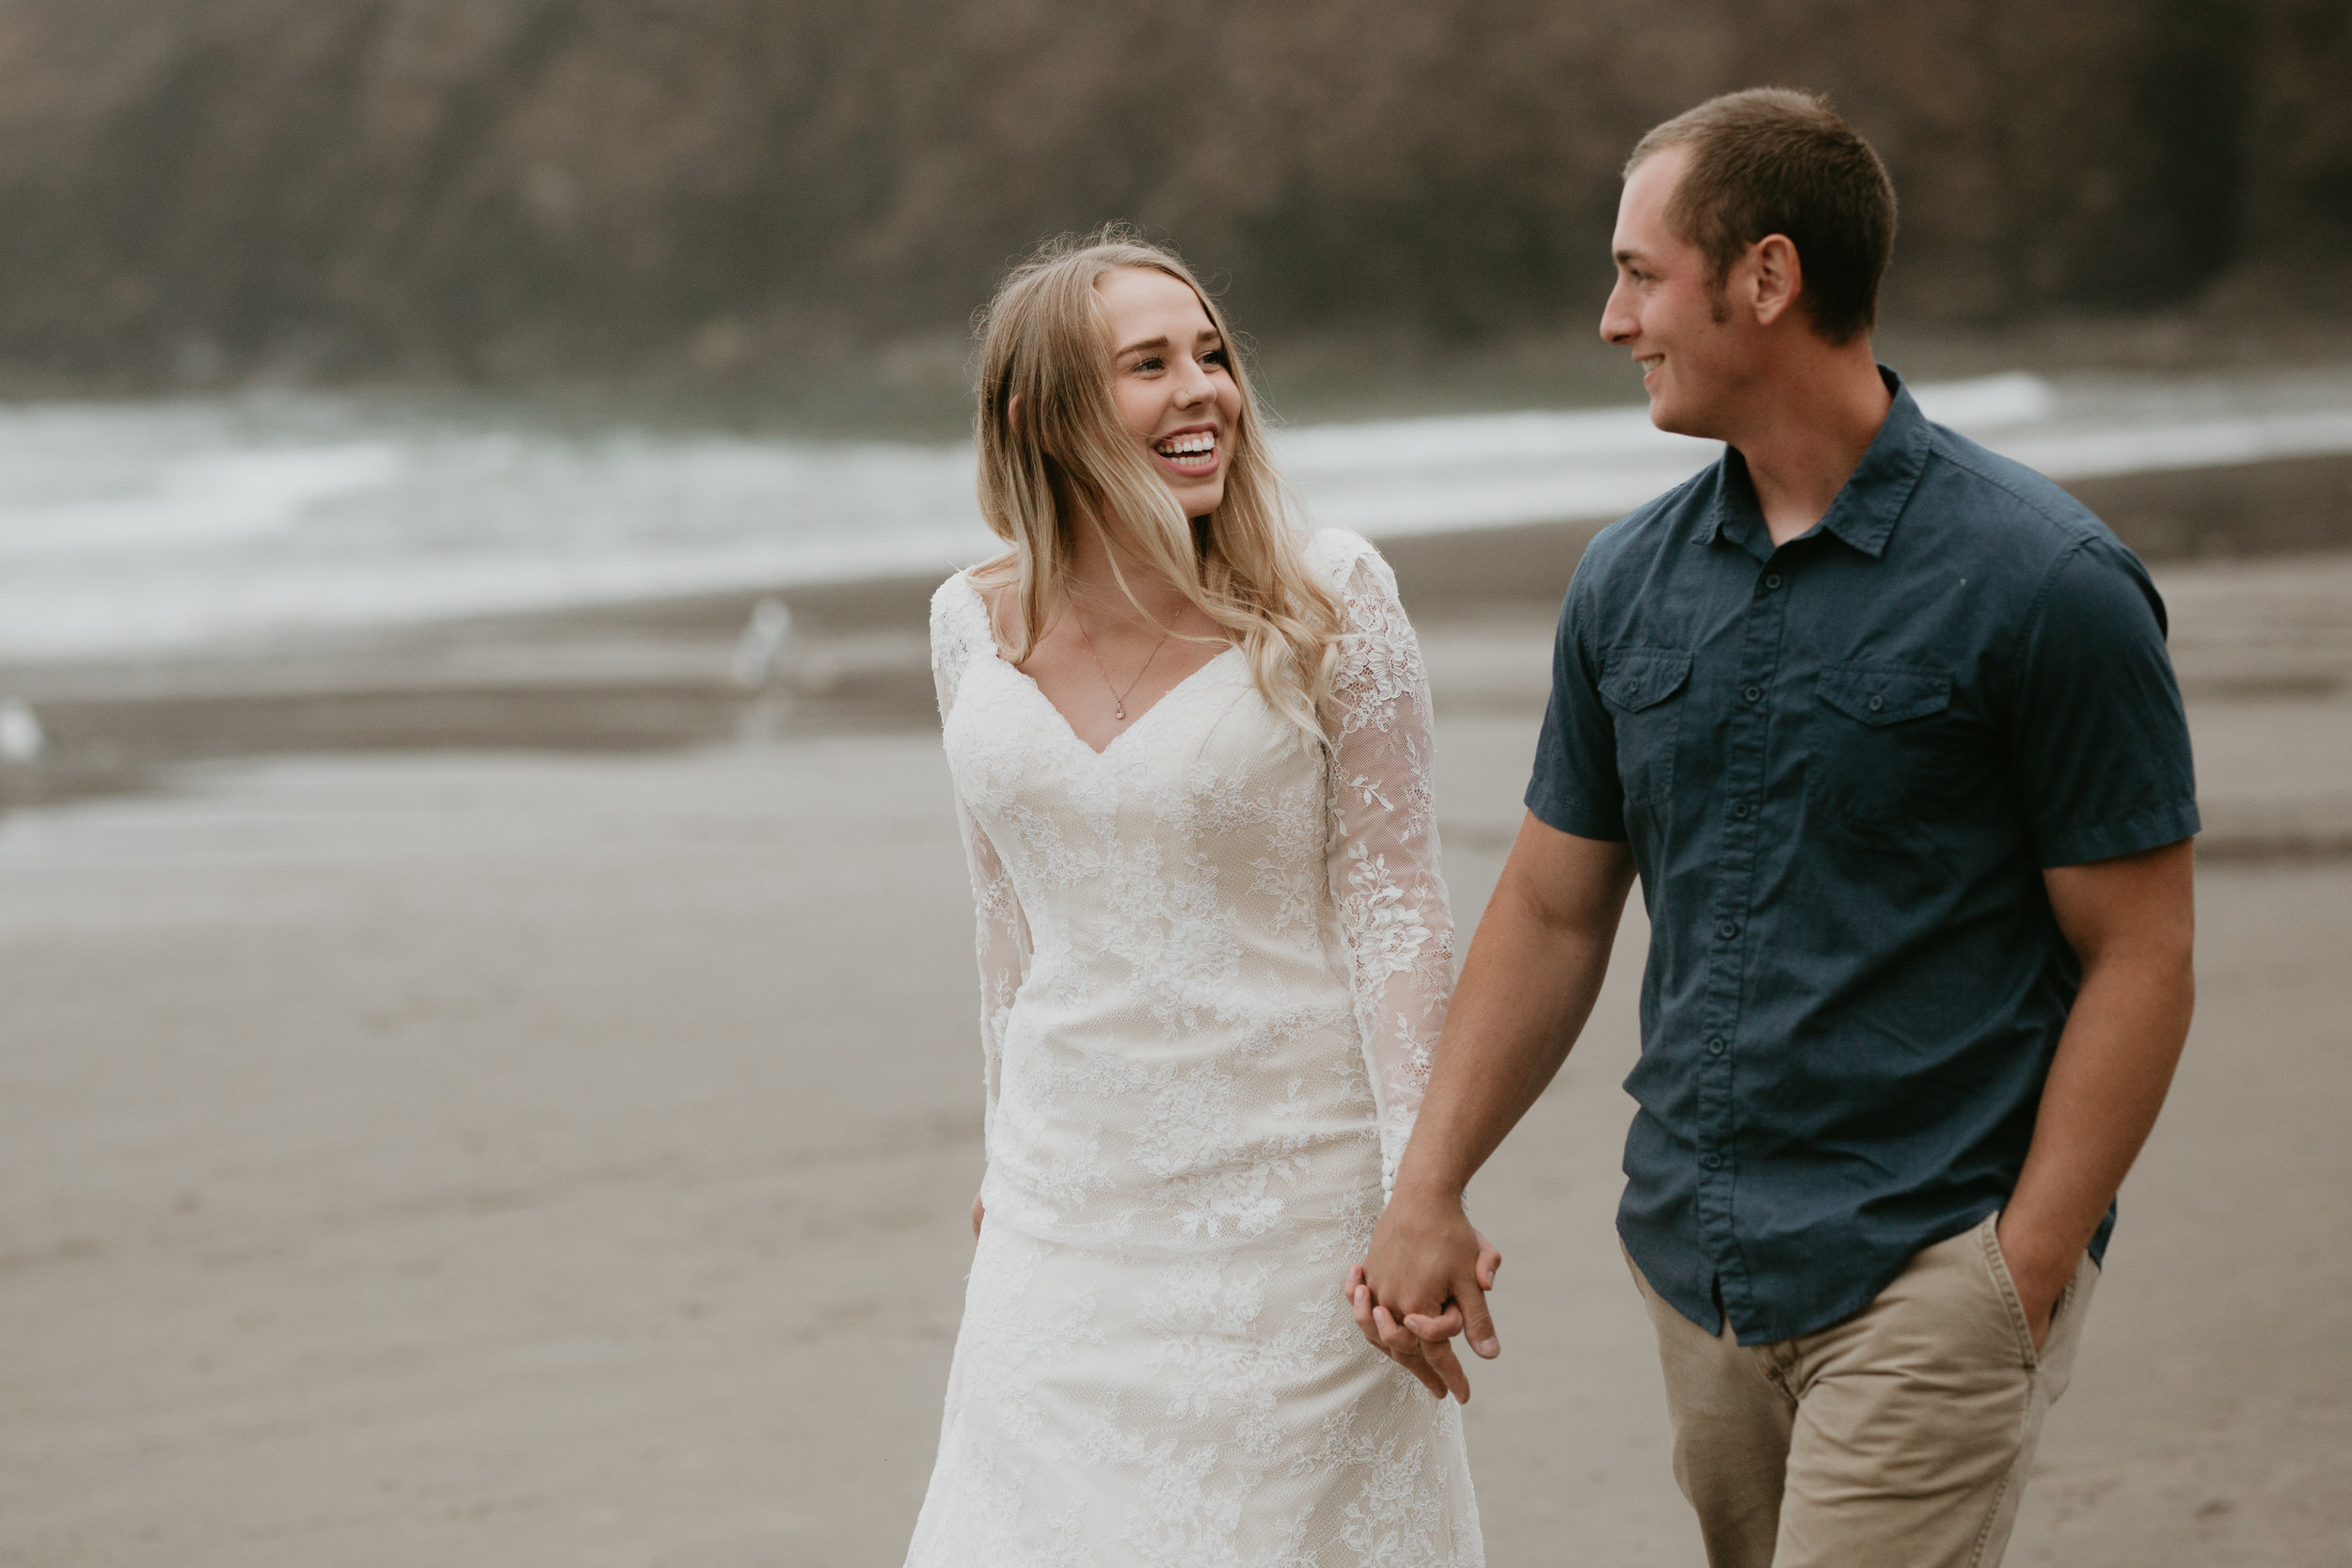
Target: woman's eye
<point>1150,362</point>
<point>1215,357</point>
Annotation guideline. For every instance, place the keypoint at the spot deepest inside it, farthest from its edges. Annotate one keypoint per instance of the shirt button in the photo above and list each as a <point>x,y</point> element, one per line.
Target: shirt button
<point>1756,694</point>
<point>1728,929</point>
<point>1740,810</point>
<point>1717,1046</point>
<point>1772,580</point>
<point>1712,1161</point>
<point>1876,704</point>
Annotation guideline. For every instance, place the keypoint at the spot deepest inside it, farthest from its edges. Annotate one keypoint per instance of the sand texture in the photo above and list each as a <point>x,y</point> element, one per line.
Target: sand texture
<point>464,1156</point>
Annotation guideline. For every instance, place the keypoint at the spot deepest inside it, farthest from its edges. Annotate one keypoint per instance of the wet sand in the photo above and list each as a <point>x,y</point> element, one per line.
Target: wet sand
<point>413,1152</point>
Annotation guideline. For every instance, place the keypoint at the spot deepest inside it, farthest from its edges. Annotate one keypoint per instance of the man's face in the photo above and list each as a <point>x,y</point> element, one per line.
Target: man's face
<point>1667,311</point>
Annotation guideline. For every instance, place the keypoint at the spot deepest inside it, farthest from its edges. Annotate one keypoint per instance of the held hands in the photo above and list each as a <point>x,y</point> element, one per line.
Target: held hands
<point>1425,1280</point>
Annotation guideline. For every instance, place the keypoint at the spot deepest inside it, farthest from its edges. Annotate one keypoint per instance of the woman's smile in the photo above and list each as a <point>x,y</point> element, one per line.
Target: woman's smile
<point>1191,451</point>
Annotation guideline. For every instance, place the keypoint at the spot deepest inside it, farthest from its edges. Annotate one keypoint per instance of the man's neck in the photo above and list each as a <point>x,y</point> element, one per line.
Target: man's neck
<point>1816,416</point>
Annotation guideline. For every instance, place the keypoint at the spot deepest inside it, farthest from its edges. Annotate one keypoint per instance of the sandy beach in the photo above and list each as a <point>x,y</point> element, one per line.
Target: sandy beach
<point>504,1094</point>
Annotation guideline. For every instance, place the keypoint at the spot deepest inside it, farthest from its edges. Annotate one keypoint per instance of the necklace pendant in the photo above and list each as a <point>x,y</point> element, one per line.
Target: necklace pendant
<point>1120,710</point>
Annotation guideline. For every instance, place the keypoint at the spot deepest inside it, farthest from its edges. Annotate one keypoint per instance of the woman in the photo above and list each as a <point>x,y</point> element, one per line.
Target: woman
<point>1191,752</point>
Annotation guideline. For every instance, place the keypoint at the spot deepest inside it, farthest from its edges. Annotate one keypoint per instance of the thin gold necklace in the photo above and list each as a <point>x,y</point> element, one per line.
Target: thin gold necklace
<point>1118,697</point>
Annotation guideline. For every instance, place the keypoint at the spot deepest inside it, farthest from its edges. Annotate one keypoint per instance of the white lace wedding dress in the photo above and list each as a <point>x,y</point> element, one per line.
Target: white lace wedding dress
<point>1214,959</point>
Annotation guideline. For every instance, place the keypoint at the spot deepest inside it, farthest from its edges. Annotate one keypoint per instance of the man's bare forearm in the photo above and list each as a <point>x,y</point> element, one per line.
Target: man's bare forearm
<point>2107,1086</point>
<point>1535,967</point>
<point>1535,970</point>
<point>2134,925</point>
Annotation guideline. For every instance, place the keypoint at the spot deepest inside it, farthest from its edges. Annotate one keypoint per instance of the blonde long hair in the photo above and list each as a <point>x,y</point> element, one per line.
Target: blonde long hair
<point>1045,340</point>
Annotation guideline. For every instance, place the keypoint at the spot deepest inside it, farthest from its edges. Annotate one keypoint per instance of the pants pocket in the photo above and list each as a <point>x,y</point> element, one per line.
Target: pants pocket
<point>2005,1287</point>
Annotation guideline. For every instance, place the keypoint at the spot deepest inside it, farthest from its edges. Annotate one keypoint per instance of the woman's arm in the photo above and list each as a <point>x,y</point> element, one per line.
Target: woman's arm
<point>1382,856</point>
<point>1001,939</point>
<point>1001,943</point>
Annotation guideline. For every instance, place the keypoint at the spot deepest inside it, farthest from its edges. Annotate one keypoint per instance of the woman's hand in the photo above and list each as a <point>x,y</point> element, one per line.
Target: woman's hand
<point>1426,1281</point>
<point>978,1210</point>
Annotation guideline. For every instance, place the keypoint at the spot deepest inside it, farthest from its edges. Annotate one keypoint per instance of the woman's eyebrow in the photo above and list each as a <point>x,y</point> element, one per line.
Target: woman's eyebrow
<point>1206,335</point>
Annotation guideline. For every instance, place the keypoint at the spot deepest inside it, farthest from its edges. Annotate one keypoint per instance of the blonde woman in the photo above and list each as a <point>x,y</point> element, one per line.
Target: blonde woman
<point>1191,752</point>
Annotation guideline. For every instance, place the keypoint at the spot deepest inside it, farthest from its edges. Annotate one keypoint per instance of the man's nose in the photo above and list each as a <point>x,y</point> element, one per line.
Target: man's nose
<point>1617,324</point>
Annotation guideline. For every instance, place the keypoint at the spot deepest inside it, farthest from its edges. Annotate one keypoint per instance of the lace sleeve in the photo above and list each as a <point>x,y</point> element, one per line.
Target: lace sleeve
<point>1002,941</point>
<point>1383,853</point>
<point>1002,937</point>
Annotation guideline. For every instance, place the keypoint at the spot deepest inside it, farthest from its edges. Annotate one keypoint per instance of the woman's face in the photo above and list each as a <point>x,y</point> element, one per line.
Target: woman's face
<point>1172,382</point>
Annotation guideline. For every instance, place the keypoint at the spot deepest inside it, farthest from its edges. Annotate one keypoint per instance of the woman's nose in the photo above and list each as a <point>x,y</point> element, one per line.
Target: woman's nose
<point>1192,384</point>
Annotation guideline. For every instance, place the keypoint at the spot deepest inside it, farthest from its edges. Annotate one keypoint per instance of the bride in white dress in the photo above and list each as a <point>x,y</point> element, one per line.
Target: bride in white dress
<point>1191,754</point>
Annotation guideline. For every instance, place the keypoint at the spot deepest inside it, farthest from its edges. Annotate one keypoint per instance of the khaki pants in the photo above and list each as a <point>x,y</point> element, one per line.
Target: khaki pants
<point>1898,1438</point>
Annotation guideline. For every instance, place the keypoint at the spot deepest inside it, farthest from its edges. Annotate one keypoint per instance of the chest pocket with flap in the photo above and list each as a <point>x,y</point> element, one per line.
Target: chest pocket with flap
<point>1882,754</point>
<point>1641,685</point>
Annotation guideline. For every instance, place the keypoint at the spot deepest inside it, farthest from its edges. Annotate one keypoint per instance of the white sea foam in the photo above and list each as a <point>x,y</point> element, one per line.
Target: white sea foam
<point>1419,476</point>
<point>137,527</point>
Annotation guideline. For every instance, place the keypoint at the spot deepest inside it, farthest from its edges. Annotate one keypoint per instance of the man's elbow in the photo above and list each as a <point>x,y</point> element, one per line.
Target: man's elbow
<point>2135,913</point>
<point>2155,961</point>
<point>1564,889</point>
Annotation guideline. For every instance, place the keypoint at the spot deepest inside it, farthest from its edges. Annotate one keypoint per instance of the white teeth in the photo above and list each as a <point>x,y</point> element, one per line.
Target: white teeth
<point>1188,446</point>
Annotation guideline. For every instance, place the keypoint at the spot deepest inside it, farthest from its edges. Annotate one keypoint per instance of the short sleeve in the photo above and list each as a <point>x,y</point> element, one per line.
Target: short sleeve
<point>2099,744</point>
<point>1575,786</point>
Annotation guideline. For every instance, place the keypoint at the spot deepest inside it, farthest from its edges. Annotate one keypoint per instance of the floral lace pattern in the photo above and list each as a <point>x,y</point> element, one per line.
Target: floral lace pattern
<point>1214,959</point>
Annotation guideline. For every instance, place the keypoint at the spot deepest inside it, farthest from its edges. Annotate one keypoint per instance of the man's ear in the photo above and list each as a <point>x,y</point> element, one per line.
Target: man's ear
<point>1777,276</point>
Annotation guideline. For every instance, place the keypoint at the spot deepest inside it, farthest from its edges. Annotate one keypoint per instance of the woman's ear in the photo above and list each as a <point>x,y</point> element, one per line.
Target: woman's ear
<point>1013,412</point>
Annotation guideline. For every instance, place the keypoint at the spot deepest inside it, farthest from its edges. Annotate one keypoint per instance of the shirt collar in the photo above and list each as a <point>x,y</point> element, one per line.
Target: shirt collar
<point>1864,513</point>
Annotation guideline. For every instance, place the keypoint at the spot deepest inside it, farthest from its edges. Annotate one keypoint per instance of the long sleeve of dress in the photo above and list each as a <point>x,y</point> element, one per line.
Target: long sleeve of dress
<point>1383,851</point>
<point>1001,938</point>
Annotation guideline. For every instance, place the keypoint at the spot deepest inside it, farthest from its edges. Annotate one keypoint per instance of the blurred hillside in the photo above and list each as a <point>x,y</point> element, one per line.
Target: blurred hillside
<point>510,189</point>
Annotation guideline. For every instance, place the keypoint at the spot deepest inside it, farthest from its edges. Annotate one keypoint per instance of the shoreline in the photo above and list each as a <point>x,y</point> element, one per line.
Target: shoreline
<point>666,673</point>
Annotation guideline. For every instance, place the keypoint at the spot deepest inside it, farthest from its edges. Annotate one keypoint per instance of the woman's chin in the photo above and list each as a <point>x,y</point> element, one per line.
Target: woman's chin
<point>1198,496</point>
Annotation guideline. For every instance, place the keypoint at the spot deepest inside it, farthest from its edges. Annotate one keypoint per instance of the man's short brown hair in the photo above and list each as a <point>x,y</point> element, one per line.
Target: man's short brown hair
<point>1770,161</point>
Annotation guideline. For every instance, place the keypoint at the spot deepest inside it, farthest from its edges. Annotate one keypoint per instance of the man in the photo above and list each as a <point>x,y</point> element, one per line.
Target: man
<point>1885,725</point>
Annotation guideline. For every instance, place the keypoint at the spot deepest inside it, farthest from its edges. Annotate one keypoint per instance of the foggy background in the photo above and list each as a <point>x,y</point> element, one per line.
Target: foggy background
<point>510,189</point>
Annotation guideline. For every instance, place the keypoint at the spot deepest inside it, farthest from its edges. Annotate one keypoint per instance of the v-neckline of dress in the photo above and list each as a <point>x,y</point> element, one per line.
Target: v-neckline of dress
<point>980,602</point>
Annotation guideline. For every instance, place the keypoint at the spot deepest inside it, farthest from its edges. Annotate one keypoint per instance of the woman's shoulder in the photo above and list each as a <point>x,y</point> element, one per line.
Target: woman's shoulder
<point>954,594</point>
<point>1335,551</point>
<point>958,616</point>
<point>1353,567</point>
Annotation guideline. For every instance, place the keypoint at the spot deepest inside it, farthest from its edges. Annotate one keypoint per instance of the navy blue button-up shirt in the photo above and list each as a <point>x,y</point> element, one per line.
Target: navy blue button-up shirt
<point>1842,764</point>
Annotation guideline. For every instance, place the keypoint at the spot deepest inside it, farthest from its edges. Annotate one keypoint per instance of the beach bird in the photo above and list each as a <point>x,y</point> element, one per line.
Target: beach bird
<point>759,652</point>
<point>20,735</point>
